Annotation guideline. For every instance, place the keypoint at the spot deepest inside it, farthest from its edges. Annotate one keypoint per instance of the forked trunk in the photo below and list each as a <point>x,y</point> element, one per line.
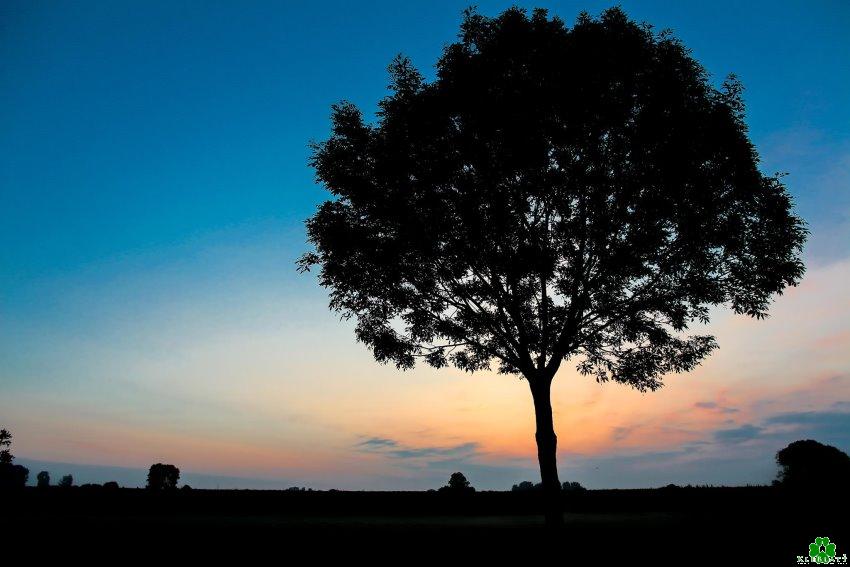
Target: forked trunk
<point>547,444</point>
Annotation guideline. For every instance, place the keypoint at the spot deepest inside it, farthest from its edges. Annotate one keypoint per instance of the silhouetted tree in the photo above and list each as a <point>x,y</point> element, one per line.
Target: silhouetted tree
<point>5,441</point>
<point>111,485</point>
<point>11,475</point>
<point>163,477</point>
<point>555,193</point>
<point>458,484</point>
<point>807,463</point>
<point>43,479</point>
<point>526,486</point>
<point>66,481</point>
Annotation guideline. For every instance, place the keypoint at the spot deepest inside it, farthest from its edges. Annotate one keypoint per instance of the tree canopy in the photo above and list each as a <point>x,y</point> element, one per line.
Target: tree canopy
<point>553,193</point>
<point>458,483</point>
<point>808,463</point>
<point>6,456</point>
<point>163,477</point>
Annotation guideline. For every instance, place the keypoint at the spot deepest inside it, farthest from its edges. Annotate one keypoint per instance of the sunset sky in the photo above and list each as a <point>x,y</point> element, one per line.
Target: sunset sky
<point>153,188</point>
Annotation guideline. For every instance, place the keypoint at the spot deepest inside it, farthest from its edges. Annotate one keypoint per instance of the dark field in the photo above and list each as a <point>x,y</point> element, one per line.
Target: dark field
<point>759,525</point>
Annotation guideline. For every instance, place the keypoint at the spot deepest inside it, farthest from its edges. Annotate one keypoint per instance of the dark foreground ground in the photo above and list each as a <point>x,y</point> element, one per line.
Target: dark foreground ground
<point>684,526</point>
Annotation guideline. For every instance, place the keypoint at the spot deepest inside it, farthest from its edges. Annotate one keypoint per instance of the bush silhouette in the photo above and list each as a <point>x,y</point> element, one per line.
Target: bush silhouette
<point>163,477</point>
<point>526,486</point>
<point>43,479</point>
<point>66,481</point>
<point>13,476</point>
<point>808,463</point>
<point>6,457</point>
<point>458,484</point>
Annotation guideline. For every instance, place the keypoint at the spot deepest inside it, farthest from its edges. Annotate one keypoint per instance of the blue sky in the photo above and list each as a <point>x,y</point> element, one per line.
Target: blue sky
<point>153,187</point>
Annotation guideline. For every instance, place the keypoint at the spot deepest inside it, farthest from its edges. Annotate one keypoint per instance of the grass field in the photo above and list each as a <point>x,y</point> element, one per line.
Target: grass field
<point>759,525</point>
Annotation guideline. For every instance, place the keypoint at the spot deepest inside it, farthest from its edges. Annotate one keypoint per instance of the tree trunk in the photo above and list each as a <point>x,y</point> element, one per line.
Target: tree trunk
<point>547,443</point>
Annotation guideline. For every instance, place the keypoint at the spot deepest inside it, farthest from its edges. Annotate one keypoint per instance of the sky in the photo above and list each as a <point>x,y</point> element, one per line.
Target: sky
<point>153,189</point>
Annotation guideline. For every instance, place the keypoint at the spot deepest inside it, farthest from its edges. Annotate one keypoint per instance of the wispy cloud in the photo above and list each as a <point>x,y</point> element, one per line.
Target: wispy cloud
<point>832,426</point>
<point>621,432</point>
<point>393,448</point>
<point>737,434</point>
<point>375,443</point>
<point>714,406</point>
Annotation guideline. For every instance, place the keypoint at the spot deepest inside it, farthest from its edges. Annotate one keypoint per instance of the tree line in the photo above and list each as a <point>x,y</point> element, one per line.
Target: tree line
<point>160,476</point>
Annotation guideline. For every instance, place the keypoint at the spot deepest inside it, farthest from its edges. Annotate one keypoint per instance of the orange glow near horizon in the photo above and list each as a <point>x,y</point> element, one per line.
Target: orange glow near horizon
<point>269,406</point>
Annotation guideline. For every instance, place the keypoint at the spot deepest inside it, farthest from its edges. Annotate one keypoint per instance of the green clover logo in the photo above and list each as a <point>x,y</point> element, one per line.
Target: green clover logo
<point>821,551</point>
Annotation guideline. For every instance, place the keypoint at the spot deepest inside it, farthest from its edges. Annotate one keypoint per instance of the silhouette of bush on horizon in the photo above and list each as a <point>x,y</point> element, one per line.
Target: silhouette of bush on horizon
<point>11,475</point>
<point>808,463</point>
<point>458,484</point>
<point>528,486</point>
<point>6,457</point>
<point>163,477</point>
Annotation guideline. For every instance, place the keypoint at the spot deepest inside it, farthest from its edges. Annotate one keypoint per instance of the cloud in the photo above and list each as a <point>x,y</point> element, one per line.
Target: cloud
<point>714,406</point>
<point>620,433</point>
<point>738,434</point>
<point>462,450</point>
<point>775,431</point>
<point>377,443</point>
<point>393,448</point>
<point>824,426</point>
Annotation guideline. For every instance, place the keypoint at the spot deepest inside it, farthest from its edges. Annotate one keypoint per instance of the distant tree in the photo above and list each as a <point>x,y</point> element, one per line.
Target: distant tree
<point>66,481</point>
<point>43,479</point>
<point>458,484</point>
<point>554,194</point>
<point>11,475</point>
<point>5,441</point>
<point>807,463</point>
<point>163,477</point>
<point>186,488</point>
<point>526,486</point>
<point>111,485</point>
